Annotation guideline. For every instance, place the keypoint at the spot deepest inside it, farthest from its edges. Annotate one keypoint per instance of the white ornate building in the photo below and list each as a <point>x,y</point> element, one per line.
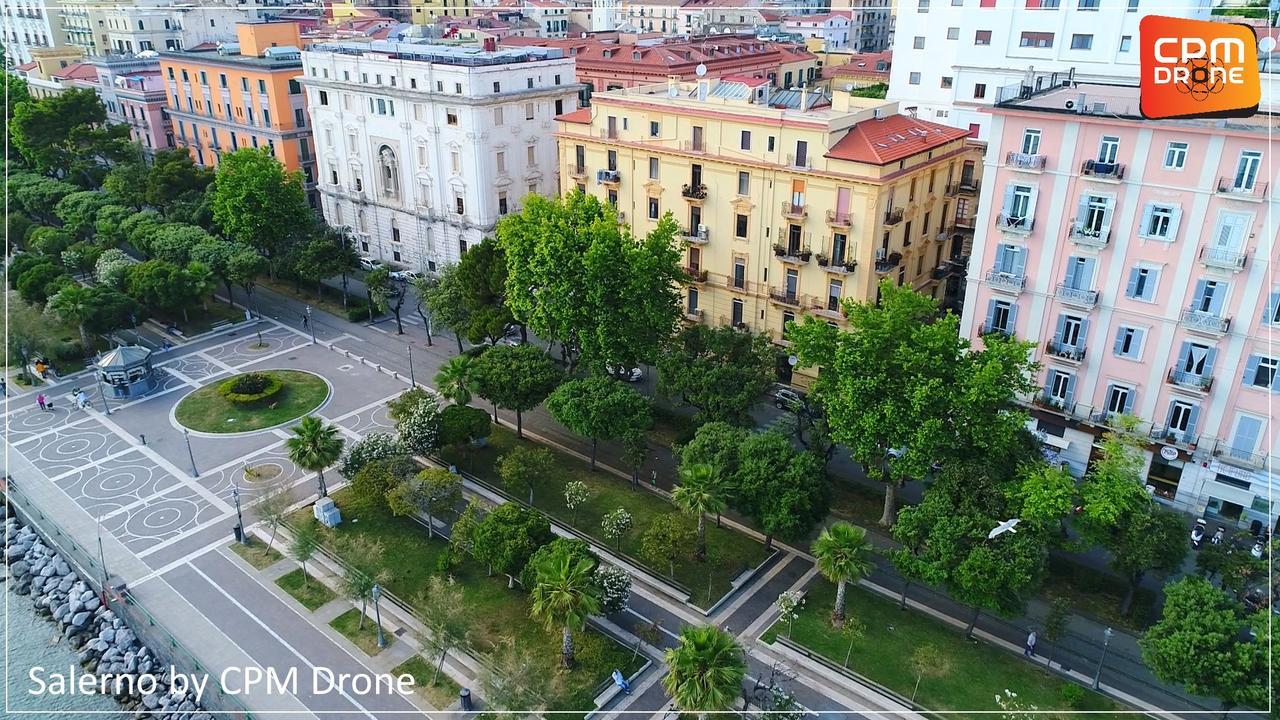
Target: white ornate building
<point>422,147</point>
<point>28,24</point>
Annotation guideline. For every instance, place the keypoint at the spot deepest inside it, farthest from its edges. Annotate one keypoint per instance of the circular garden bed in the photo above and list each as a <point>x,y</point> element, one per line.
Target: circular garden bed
<point>252,401</point>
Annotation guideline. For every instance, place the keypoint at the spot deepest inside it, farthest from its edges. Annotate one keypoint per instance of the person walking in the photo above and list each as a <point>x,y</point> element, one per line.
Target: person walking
<point>4,387</point>
<point>40,401</point>
<point>82,399</point>
<point>1030,648</point>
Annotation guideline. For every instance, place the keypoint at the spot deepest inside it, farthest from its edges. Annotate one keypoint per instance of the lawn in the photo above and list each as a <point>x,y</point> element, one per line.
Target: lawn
<point>731,552</point>
<point>975,671</point>
<point>305,589</point>
<point>1098,595</point>
<point>410,558</point>
<point>254,555</point>
<point>441,694</point>
<point>363,634</point>
<point>207,411</point>
<point>856,503</point>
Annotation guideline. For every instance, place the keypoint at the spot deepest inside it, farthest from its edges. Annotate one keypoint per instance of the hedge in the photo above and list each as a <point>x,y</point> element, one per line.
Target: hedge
<point>250,388</point>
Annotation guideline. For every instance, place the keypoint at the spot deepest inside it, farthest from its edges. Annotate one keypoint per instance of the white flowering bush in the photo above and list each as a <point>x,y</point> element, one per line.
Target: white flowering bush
<point>789,604</point>
<point>419,427</point>
<point>615,525</point>
<point>371,448</point>
<point>614,585</point>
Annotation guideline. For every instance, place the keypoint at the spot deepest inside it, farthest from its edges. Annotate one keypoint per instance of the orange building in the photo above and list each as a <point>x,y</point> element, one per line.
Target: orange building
<point>245,94</point>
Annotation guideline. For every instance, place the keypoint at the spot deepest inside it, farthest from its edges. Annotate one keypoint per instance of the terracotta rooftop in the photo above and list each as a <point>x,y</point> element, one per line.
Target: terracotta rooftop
<point>24,67</point>
<point>581,116</point>
<point>77,71</point>
<point>885,140</point>
<point>862,65</point>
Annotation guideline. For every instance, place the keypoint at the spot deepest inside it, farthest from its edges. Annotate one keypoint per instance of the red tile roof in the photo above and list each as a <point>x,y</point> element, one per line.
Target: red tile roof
<point>24,67</point>
<point>885,140</point>
<point>581,116</point>
<point>77,71</point>
<point>863,65</point>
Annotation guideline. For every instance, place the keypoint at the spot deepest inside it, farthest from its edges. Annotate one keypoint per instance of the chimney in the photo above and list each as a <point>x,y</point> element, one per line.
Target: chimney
<point>673,87</point>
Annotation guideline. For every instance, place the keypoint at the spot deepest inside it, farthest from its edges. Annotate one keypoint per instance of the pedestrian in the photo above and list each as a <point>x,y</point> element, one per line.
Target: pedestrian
<point>306,323</point>
<point>4,387</point>
<point>653,478</point>
<point>40,401</point>
<point>1030,649</point>
<point>82,399</point>
<point>42,369</point>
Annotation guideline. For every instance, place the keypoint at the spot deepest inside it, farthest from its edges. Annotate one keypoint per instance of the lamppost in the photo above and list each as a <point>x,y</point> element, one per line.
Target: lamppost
<point>377,614</point>
<point>186,435</point>
<point>412,380</point>
<point>1106,640</point>
<point>310,326</point>
<point>105,407</point>
<point>235,495</point>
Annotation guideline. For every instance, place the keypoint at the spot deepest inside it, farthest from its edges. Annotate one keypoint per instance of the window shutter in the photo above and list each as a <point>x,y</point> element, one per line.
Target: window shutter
<point>1275,382</point>
<point>1272,301</point>
<point>1073,271</point>
<point>1119,347</point>
<point>1173,223</point>
<point>1250,370</point>
<point>991,314</point>
<point>1062,326</point>
<point>1145,227</point>
<point>1128,401</point>
<point>1013,320</point>
<point>1193,420</point>
<point>1008,199</point>
<point>1086,273</point>
<point>1071,388</point>
<point>1183,354</point>
<point>1031,204</point>
<point>1168,417</point>
<point>1106,399</point>
<point>1082,341</point>
<point>1198,296</point>
<point>1082,210</point>
<point>1219,298</point>
<point>1106,217</point>
<point>1209,357</point>
<point>1048,382</point>
<point>1131,290</point>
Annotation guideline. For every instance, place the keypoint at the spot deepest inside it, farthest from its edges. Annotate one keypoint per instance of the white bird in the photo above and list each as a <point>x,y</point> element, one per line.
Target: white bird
<point>1006,526</point>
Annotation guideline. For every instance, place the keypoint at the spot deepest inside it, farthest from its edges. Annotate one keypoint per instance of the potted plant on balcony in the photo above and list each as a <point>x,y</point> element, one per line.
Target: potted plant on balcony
<point>805,253</point>
<point>779,249</point>
<point>823,260</point>
<point>850,265</point>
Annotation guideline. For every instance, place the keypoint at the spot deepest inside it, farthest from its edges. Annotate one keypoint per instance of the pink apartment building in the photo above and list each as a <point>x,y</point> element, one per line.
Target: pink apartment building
<point>134,94</point>
<point>1138,256</point>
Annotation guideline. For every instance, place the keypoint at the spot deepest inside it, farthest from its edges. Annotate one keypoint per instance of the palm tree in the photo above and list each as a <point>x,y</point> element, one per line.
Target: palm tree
<point>73,304</point>
<point>315,446</point>
<point>844,555</point>
<point>700,493</point>
<point>705,670</point>
<point>452,379</point>
<point>563,596</point>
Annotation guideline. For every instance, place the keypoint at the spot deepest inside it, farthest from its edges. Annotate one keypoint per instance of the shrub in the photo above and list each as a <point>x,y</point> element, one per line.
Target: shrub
<point>1073,695</point>
<point>572,548</point>
<point>250,388</point>
<point>462,423</point>
<point>372,447</point>
<point>357,312</point>
<point>614,588</point>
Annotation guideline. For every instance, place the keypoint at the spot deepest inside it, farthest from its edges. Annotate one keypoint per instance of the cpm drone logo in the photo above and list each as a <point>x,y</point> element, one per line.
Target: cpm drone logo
<point>1195,68</point>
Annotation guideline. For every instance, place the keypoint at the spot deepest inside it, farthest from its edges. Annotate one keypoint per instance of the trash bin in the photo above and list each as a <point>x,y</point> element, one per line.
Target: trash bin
<point>464,697</point>
<point>237,532</point>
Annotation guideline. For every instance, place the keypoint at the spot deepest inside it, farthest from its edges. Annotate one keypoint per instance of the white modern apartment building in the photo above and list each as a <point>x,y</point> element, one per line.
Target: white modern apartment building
<point>27,24</point>
<point>952,57</point>
<point>163,25</point>
<point>422,147</point>
<point>1140,257</point>
<point>831,28</point>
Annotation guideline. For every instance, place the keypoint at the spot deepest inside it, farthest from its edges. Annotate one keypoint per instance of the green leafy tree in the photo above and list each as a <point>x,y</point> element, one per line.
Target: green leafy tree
<point>433,492</point>
<point>243,269</point>
<point>216,255</point>
<point>575,494</point>
<point>453,379</point>
<point>704,670</point>
<point>665,541</point>
<point>446,618</point>
<point>782,489</point>
<point>16,92</point>
<point>126,183</point>
<point>574,548</point>
<point>513,681</point>
<point>73,305</point>
<point>1047,493</point>
<point>50,242</point>
<point>271,507</point>
<point>1054,626</point>
<point>463,424</point>
<point>515,378</point>
<point>173,242</point>
<point>79,210</point>
<point>306,541</point>
<point>716,444</point>
<point>374,447</point>
<point>315,445</point>
<point>111,310</point>
<point>928,661</point>
<point>843,555</point>
<point>108,225</point>
<point>564,596</point>
<point>258,203</point>
<point>525,468</point>
<point>506,538</point>
<point>67,136</point>
<point>700,492</point>
<point>445,299</point>
<point>320,258</point>
<point>482,277</point>
<point>174,176</point>
<point>21,263</point>
<point>37,195</point>
<point>599,408</point>
<point>364,571</point>
<point>1198,643</point>
<point>900,380</point>
<point>36,283</point>
<point>376,481</point>
<point>464,528</point>
<point>720,371</point>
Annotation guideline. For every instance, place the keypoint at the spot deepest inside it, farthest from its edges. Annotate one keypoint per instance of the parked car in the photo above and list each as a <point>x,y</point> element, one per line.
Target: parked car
<point>404,275</point>
<point>368,263</point>
<point>786,398</point>
<point>632,375</point>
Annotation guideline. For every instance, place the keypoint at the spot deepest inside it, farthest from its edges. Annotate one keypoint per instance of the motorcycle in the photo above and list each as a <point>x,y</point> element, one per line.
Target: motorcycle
<point>1197,534</point>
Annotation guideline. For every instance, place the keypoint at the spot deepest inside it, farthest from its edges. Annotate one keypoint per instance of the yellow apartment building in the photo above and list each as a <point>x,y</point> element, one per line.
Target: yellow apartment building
<point>790,201</point>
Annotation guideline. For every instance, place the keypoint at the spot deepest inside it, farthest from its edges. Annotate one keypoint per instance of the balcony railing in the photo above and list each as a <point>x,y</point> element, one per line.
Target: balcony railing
<point>700,235</point>
<point>785,298</point>
<point>1102,171</point>
<point>696,274</point>
<point>1205,322</point>
<point>1003,280</point>
<point>893,216</point>
<point>692,146</point>
<point>1077,296</point>
<point>693,315</point>
<point>1064,351</point>
<point>1044,399</point>
<point>964,222</point>
<point>1174,436</point>
<point>1025,161</point>
<point>842,265</point>
<point>888,262</point>
<point>576,170</point>
<point>1082,234</point>
<point>792,253</point>
<point>1013,223</point>
<point>805,161</point>
<point>1192,381</point>
<point>1253,191</point>
<point>694,192</point>
<point>608,176</point>
<point>1223,259</point>
<point>993,329</point>
<point>839,219</point>
<point>793,210</point>
<point>1226,453</point>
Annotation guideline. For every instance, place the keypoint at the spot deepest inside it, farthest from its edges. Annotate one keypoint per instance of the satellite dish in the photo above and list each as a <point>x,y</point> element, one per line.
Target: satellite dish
<point>701,70</point>
<point>849,87</point>
<point>792,360</point>
<point>1267,44</point>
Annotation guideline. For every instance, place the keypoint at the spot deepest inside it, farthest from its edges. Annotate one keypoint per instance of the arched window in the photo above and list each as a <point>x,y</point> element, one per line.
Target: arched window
<point>389,172</point>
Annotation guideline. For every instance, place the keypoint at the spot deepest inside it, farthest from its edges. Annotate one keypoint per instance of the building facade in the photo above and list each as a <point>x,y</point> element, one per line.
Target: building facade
<point>243,95</point>
<point>832,29</point>
<point>789,202</point>
<point>951,58</point>
<point>51,69</point>
<point>1137,255</point>
<point>28,25</point>
<point>133,91</point>
<point>870,23</point>
<point>84,24</point>
<point>160,25</point>
<point>423,147</point>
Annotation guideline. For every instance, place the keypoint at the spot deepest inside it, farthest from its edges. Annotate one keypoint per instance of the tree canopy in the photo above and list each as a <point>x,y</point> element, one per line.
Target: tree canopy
<point>258,203</point>
<point>720,371</point>
<point>599,408</point>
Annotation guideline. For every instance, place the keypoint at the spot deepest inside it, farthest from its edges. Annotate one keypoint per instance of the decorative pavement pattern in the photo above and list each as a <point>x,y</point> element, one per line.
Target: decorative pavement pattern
<point>116,483</point>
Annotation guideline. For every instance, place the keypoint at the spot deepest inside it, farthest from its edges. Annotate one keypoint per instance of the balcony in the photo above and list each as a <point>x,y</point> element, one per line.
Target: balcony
<point>694,192</point>
<point>887,263</point>
<point>1013,223</point>
<point>839,219</point>
<point>1006,281</point>
<point>782,297</point>
<point>1222,259</point>
<point>893,216</point>
<point>608,177</point>
<point>577,171</point>
<point>693,315</point>
<point>693,146</point>
<point>695,274</point>
<point>793,211</point>
<point>1112,172</point>
<point>1045,400</point>
<point>1086,236</point>
<point>1228,454</point>
<point>792,253</point>
<point>967,187</point>
<point>993,329</point>
<point>1174,436</point>
<point>1077,296</point>
<point>802,161</point>
<point>1024,161</point>
<point>837,266</point>
<point>831,308</point>
<point>700,235</point>
<point>964,222</point>
<point>1189,381</point>
<point>949,268</point>
<point>1205,322</point>
<point>1063,351</point>
<point>1254,192</point>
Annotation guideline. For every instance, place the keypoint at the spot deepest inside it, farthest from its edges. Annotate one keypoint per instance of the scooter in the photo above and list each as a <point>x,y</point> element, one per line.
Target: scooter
<point>1197,534</point>
<point>1220,533</point>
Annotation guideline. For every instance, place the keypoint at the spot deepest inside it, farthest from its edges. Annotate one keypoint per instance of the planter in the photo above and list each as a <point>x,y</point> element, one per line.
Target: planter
<point>805,255</point>
<point>823,260</point>
<point>779,250</point>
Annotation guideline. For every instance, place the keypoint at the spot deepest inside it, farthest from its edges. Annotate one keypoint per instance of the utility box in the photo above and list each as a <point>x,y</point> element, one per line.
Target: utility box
<point>327,512</point>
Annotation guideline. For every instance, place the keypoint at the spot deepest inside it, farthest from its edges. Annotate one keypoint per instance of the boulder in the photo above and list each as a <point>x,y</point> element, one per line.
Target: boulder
<point>79,619</point>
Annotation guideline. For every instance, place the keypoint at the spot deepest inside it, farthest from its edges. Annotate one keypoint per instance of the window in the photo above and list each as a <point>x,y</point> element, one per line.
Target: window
<point>745,140</point>
<point>501,159</point>
<point>1247,170</point>
<point>531,155</point>
<point>497,86</point>
<point>451,116</point>
<point>528,111</point>
<point>834,290</point>
<point>654,129</point>
<point>923,7</point>
<point>979,90</point>
<point>299,117</point>
<point>1018,205</point>
<point>953,33</point>
<point>1030,141</point>
<point>497,116</point>
<point>611,160</point>
<point>982,37</point>
<point>1079,273</point>
<point>1129,342</point>
<point>324,97</point>
<point>262,86</point>
<point>1126,43</point>
<point>653,168</point>
<point>1182,417</point>
<point>1133,6</point>
<point>1160,222</point>
<point>1209,297</point>
<point>737,313</point>
<point>502,203</point>
<point>459,206</point>
<point>1260,371</point>
<point>1175,155</point>
<point>1271,314</point>
<point>1087,4</point>
<point>1061,387</point>
<point>1081,42</point>
<point>1108,149</point>
<point>1142,284</point>
<point>1036,40</point>
<point>914,78</point>
<point>1010,260</point>
<point>1119,399</point>
<point>918,42</point>
<point>653,208</point>
<point>457,88</point>
<point>744,183</point>
<point>740,226</point>
<point>1001,316</point>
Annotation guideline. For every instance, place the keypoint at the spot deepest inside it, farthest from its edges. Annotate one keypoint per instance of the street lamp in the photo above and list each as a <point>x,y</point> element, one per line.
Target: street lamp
<point>1106,640</point>
<point>186,434</point>
<point>412,381</point>
<point>97,375</point>
<point>235,495</point>
<point>377,614</point>
<point>310,326</point>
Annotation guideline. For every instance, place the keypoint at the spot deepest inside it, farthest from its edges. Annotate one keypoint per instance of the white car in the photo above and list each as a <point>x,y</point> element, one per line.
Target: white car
<point>368,263</point>
<point>634,374</point>
<point>785,398</point>
<point>404,275</point>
